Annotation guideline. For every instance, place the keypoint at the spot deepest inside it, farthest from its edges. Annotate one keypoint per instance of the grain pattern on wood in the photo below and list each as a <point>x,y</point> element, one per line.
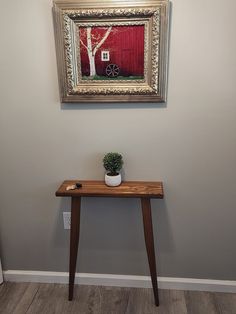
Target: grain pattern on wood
<point>201,302</point>
<point>51,299</point>
<point>126,189</point>
<point>87,300</point>
<point>41,300</point>
<point>148,234</point>
<point>226,302</point>
<point>26,299</point>
<point>17,297</point>
<point>141,301</point>
<point>74,241</point>
<point>114,300</point>
<point>172,302</point>
<point>3,288</point>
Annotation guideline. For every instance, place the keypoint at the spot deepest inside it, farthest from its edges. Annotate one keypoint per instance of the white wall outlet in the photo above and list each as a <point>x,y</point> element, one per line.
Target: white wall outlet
<point>66,219</point>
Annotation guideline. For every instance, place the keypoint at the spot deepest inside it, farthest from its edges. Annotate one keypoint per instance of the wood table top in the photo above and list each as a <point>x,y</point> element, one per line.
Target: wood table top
<point>126,189</point>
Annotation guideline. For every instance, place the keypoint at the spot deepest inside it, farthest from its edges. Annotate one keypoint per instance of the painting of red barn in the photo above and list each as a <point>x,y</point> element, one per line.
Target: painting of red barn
<point>112,52</point>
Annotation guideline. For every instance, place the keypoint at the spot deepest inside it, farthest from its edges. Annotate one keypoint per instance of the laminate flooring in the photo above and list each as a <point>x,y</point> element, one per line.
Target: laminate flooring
<point>33,298</point>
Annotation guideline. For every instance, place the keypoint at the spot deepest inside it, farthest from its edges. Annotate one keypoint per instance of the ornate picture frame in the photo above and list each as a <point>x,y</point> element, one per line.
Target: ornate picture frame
<point>112,51</point>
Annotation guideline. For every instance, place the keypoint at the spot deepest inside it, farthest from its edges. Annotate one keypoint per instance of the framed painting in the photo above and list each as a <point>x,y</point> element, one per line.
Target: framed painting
<point>112,51</point>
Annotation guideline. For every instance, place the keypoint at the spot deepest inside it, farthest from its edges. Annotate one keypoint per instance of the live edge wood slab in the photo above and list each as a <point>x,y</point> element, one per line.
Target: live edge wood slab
<point>135,189</point>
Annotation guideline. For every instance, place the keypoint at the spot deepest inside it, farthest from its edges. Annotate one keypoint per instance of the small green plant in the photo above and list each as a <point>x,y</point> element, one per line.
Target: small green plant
<point>112,162</point>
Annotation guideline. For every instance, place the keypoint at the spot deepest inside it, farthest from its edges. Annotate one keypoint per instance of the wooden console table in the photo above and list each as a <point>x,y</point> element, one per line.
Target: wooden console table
<point>135,189</point>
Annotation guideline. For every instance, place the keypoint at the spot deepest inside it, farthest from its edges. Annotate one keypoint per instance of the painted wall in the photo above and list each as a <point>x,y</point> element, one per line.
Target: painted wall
<point>190,144</point>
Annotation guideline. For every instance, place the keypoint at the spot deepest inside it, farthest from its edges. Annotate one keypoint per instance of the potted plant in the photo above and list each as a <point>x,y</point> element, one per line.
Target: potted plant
<point>113,162</point>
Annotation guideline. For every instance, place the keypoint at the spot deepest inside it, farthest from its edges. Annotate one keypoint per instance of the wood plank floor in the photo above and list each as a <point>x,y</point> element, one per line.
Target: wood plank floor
<point>33,298</point>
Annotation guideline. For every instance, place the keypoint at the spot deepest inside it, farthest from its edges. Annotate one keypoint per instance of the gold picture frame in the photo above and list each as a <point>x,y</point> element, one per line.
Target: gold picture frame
<point>112,51</point>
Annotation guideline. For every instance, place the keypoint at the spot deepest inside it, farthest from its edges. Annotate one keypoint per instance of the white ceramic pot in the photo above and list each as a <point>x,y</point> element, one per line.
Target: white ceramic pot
<point>113,180</point>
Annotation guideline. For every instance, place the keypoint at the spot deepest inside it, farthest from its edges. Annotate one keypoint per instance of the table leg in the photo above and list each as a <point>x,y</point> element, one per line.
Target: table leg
<point>74,241</point>
<point>148,234</point>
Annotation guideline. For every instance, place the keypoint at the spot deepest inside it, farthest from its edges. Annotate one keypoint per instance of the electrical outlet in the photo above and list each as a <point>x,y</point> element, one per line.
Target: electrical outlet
<point>67,219</point>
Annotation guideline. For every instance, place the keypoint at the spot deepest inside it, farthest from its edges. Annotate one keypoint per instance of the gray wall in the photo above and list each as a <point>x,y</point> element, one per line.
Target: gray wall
<point>190,144</point>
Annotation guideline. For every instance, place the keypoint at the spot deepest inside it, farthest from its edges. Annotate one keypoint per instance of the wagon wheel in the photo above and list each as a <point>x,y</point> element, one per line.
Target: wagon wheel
<point>112,70</point>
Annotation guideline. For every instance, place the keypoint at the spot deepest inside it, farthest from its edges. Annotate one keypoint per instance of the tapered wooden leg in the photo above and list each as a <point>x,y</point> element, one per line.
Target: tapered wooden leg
<point>148,234</point>
<point>74,241</point>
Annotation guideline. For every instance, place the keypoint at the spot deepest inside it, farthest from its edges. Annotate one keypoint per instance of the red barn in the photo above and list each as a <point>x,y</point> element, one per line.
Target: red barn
<point>124,46</point>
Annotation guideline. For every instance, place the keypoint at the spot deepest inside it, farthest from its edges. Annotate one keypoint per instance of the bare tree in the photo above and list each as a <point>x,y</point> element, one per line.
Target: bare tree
<point>94,42</point>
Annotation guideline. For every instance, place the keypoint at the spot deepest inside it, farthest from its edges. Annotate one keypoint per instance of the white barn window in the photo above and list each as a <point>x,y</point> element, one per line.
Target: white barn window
<point>105,55</point>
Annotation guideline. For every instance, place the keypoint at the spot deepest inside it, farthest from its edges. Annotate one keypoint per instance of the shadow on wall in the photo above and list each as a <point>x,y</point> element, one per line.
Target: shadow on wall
<point>163,236</point>
<point>115,226</point>
<point>101,106</point>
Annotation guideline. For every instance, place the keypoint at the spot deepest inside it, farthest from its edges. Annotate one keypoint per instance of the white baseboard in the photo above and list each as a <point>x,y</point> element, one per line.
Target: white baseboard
<point>122,280</point>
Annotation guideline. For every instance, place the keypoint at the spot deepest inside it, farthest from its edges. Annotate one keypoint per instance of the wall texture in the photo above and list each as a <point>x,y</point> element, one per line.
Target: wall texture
<point>189,143</point>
